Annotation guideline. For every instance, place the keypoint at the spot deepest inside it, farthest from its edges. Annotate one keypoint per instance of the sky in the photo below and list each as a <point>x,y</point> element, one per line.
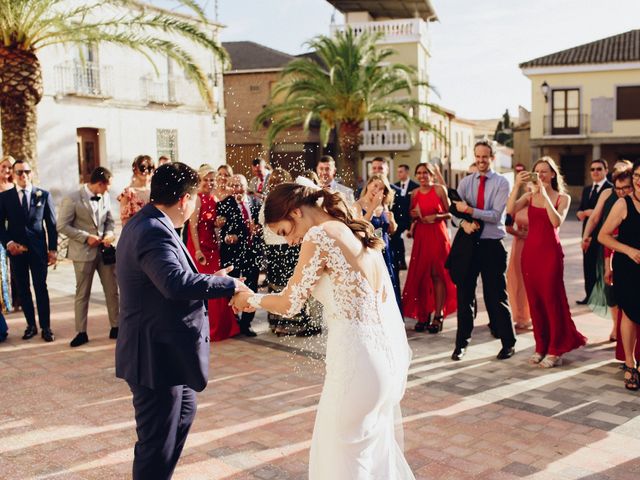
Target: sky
<point>476,44</point>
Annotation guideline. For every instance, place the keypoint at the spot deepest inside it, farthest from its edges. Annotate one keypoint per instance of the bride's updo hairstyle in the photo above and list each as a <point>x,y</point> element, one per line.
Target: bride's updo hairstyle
<point>286,197</point>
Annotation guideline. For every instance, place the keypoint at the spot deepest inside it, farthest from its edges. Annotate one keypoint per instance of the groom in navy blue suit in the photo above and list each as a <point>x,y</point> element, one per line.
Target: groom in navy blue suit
<point>28,232</point>
<point>163,342</point>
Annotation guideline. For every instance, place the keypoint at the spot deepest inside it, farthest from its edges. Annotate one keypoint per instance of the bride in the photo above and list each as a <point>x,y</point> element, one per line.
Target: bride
<point>358,431</point>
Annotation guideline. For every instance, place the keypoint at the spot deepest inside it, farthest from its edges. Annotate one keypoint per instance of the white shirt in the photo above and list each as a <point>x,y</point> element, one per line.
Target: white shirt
<point>403,187</point>
<point>94,205</point>
<point>25,191</point>
<point>599,184</point>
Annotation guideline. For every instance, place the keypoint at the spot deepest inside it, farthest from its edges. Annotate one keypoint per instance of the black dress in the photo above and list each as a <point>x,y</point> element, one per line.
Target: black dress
<point>625,271</point>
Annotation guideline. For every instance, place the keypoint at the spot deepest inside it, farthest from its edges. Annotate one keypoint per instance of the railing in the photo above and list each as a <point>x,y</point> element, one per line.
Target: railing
<point>393,31</point>
<point>86,79</point>
<point>385,140</point>
<point>563,123</point>
<point>169,90</point>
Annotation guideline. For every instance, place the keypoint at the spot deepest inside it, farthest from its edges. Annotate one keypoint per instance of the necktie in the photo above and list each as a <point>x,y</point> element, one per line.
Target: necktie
<point>247,220</point>
<point>480,200</point>
<point>25,204</point>
<point>594,192</point>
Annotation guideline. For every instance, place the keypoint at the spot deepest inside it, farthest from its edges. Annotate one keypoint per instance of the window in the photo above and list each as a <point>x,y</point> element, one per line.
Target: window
<point>565,112</point>
<point>628,103</point>
<point>254,88</point>
<point>167,143</point>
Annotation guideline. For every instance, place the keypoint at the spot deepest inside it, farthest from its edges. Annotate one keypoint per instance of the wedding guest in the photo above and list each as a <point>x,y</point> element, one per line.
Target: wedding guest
<point>326,170</point>
<point>203,246</point>
<point>553,329</point>
<point>483,200</point>
<point>136,195</point>
<point>223,175</point>
<point>428,288</point>
<point>260,177</point>
<point>375,206</point>
<point>241,240</point>
<point>163,160</point>
<point>601,299</point>
<point>401,211</point>
<point>311,175</point>
<point>625,217</point>
<point>588,201</point>
<point>85,218</point>
<point>6,301</point>
<point>28,232</point>
<point>515,282</point>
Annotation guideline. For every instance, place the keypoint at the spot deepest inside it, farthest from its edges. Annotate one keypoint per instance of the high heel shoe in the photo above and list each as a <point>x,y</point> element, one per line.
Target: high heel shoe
<point>436,325</point>
<point>633,382</point>
<point>550,361</point>
<point>421,326</point>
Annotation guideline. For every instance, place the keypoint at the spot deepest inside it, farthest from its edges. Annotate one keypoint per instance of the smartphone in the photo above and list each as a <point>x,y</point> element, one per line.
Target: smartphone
<point>533,177</point>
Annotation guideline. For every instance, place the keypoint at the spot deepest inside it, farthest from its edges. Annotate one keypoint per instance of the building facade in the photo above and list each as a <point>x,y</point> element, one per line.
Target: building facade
<point>404,25</point>
<point>586,105</point>
<point>104,105</point>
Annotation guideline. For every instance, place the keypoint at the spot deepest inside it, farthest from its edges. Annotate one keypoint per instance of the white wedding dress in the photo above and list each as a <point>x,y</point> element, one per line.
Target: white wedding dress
<point>358,430</point>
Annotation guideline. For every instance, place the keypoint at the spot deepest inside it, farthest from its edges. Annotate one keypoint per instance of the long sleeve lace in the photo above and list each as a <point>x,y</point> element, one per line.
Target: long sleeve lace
<point>311,263</point>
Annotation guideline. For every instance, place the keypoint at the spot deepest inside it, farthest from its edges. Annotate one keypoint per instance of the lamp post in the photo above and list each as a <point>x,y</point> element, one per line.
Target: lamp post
<point>546,89</point>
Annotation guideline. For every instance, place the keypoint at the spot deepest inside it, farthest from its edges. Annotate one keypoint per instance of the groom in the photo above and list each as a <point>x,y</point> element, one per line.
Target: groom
<point>163,342</point>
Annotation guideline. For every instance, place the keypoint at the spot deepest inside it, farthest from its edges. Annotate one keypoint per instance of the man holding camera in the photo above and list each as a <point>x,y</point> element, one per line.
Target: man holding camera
<point>85,217</point>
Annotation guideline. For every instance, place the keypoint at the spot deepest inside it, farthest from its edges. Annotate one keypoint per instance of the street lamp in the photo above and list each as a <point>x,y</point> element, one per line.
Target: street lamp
<point>545,91</point>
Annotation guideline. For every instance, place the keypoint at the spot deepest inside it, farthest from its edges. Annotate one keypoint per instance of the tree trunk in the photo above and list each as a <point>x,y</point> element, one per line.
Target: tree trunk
<point>348,156</point>
<point>20,93</point>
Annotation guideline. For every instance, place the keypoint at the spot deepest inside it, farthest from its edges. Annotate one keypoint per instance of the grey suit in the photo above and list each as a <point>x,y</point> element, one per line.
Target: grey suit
<point>77,220</point>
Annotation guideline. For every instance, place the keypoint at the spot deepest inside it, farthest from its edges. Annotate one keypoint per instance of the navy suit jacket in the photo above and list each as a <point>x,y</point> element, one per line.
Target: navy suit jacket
<point>164,328</point>
<point>241,255</point>
<point>37,230</point>
<point>401,205</point>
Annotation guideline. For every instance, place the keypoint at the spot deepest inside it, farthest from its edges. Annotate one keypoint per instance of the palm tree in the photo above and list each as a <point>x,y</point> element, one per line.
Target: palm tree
<point>352,82</point>
<point>28,26</point>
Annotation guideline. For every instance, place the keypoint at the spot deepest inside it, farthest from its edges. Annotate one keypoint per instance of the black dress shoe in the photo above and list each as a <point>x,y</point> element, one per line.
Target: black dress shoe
<point>248,332</point>
<point>47,335</point>
<point>30,332</point>
<point>113,333</point>
<point>584,301</point>
<point>81,339</point>
<point>458,353</point>
<point>505,353</point>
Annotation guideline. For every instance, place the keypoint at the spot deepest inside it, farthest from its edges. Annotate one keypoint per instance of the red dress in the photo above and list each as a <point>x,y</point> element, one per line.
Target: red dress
<point>222,321</point>
<point>543,269</point>
<point>431,246</point>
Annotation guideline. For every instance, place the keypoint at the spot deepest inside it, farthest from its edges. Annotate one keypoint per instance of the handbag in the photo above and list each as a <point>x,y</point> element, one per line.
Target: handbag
<point>108,254</point>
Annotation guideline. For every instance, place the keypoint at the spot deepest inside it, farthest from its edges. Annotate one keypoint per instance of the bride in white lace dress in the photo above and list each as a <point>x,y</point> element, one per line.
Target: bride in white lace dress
<point>358,430</point>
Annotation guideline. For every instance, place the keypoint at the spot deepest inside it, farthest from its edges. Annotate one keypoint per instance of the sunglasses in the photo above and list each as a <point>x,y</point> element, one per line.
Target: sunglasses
<point>597,169</point>
<point>23,172</point>
<point>144,169</point>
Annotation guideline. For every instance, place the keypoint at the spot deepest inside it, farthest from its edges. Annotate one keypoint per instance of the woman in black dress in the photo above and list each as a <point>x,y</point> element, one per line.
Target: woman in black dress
<point>625,218</point>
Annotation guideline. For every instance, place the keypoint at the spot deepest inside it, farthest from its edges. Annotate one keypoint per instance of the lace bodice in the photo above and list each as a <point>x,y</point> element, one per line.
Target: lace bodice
<point>350,297</point>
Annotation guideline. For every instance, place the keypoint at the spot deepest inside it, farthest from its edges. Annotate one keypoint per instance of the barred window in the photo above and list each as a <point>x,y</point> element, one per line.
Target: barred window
<point>167,143</point>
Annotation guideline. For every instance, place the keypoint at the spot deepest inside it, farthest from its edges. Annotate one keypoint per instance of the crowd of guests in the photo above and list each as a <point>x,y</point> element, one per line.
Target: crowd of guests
<point>521,289</point>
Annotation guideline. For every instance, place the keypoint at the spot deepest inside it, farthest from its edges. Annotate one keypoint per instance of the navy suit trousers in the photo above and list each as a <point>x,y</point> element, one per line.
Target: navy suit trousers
<point>163,419</point>
<point>21,265</point>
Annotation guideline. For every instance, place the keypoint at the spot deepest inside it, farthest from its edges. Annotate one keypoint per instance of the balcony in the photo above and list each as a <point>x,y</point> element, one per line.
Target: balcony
<point>169,91</point>
<point>86,79</point>
<point>565,124</point>
<point>385,140</point>
<point>394,31</point>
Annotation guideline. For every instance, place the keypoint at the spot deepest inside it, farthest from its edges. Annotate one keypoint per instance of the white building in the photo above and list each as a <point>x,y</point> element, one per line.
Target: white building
<point>106,105</point>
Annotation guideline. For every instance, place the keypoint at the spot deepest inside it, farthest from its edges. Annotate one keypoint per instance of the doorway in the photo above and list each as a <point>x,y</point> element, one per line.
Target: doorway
<point>88,152</point>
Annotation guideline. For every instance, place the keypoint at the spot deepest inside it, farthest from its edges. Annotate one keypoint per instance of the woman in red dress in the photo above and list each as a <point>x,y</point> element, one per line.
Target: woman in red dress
<point>428,287</point>
<point>202,244</point>
<point>543,263</point>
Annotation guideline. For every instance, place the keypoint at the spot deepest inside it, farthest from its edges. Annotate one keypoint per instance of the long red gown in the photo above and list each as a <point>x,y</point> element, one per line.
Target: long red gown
<point>222,321</point>
<point>431,246</point>
<point>543,269</point>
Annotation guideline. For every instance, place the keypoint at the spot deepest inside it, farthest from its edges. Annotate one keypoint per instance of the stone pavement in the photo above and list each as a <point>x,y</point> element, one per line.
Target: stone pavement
<point>64,416</point>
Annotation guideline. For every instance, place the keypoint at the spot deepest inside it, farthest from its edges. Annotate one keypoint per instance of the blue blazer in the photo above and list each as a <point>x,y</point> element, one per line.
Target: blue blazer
<point>164,328</point>
<point>37,230</point>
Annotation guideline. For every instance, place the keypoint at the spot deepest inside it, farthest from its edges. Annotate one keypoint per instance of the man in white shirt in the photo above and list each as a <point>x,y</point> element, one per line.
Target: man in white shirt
<point>326,170</point>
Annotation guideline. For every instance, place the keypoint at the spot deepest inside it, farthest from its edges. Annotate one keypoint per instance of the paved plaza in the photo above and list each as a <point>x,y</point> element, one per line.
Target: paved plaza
<point>65,416</point>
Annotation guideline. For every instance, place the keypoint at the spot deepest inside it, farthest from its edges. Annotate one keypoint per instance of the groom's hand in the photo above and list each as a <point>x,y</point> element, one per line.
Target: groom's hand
<point>240,302</point>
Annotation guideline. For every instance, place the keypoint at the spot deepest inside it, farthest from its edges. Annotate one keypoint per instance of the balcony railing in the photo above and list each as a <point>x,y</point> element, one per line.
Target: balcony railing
<point>86,79</point>
<point>385,140</point>
<point>393,31</point>
<point>169,90</point>
<point>562,123</point>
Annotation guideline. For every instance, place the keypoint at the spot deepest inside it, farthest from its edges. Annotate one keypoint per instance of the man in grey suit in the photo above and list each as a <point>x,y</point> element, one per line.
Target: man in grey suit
<point>85,217</point>
<point>326,170</point>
